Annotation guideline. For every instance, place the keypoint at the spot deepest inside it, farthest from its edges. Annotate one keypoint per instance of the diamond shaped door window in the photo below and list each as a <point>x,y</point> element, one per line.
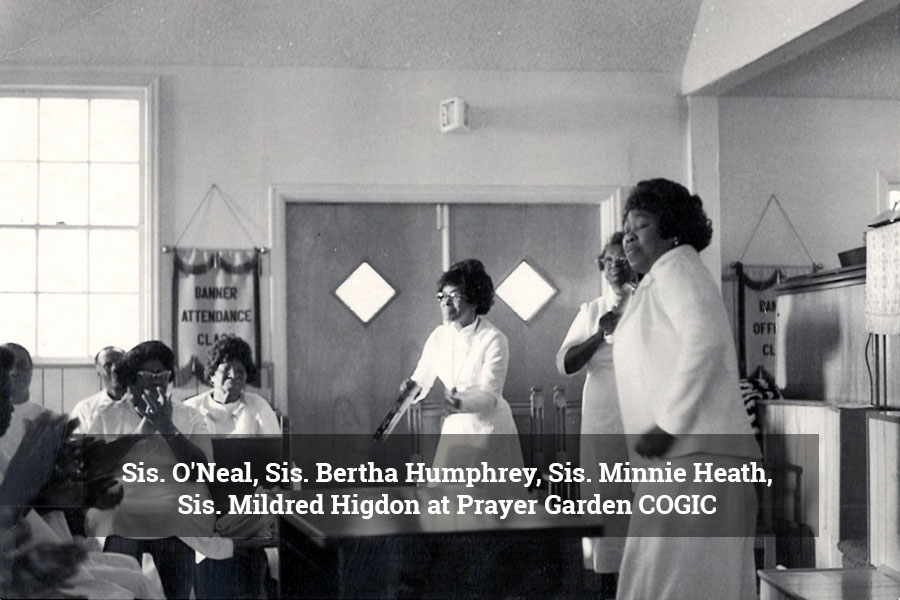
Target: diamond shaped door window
<point>525,291</point>
<point>365,292</point>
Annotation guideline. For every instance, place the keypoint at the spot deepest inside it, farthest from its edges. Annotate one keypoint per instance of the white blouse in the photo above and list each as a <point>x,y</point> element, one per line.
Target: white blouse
<point>145,503</point>
<point>474,360</point>
<point>251,415</point>
<point>675,360</point>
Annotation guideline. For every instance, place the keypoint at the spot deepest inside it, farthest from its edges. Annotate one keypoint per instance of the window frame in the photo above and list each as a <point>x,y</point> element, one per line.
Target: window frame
<point>147,95</point>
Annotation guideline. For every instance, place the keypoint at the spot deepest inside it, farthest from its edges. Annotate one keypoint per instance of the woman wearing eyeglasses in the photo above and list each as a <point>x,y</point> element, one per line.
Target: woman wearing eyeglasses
<point>470,356</point>
<point>588,347</point>
<point>150,517</point>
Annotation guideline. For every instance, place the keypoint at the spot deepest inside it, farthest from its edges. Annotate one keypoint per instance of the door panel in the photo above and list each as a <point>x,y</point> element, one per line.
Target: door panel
<point>343,376</point>
<point>561,242</point>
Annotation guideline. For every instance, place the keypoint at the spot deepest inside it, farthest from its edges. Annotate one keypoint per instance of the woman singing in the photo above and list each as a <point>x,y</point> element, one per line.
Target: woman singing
<point>470,357</point>
<point>676,372</point>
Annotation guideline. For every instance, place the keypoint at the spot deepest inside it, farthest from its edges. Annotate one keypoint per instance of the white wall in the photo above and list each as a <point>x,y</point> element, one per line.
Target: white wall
<point>735,40</point>
<point>245,129</point>
<point>819,157</point>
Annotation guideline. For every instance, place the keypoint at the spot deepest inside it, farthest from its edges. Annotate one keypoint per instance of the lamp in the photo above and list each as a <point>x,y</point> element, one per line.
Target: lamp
<point>883,275</point>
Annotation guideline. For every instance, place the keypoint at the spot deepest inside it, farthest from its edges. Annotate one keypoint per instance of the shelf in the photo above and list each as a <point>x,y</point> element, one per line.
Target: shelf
<point>855,275</point>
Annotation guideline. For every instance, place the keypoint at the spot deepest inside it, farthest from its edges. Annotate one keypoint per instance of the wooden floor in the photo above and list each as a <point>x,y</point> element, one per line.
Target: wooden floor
<point>828,584</point>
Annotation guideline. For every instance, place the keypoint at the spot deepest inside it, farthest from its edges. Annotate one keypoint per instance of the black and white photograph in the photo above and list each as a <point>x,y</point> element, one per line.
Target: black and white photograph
<point>566,299</point>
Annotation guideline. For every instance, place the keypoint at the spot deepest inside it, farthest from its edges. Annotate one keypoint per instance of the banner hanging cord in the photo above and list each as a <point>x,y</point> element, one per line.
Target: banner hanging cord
<point>774,198</point>
<point>228,205</point>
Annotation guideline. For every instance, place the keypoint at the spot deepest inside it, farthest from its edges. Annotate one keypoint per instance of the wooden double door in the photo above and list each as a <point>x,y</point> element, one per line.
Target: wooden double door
<point>343,375</point>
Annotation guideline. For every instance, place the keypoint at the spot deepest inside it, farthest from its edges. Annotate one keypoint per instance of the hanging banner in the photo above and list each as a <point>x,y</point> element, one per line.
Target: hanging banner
<point>756,305</point>
<point>215,292</point>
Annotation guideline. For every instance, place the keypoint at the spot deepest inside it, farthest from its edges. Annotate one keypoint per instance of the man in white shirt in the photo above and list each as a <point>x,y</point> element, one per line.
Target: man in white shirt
<point>106,362</point>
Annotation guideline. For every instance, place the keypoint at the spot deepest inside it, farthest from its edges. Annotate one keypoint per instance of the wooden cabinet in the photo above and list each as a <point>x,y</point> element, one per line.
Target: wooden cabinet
<point>821,337</point>
<point>884,489</point>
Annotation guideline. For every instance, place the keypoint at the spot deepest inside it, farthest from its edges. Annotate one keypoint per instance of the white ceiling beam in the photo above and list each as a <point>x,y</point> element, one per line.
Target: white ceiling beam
<point>737,40</point>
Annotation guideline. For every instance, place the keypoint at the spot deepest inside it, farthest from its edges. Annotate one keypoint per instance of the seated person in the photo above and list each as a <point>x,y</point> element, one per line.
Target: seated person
<point>29,569</point>
<point>231,410</point>
<point>228,407</point>
<point>46,560</point>
<point>107,363</point>
<point>20,395</point>
<point>166,433</point>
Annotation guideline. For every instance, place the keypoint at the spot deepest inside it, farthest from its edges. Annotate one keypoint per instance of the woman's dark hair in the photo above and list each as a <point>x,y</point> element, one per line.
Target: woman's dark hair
<point>230,347</point>
<point>144,352</point>
<point>7,361</point>
<point>680,213</point>
<point>477,286</point>
<point>614,240</point>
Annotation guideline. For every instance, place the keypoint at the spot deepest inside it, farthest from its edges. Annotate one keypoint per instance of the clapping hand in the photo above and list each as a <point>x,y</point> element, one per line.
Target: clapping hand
<point>409,387</point>
<point>452,402</point>
<point>607,323</point>
<point>38,570</point>
<point>69,485</point>
<point>156,408</point>
<point>654,443</point>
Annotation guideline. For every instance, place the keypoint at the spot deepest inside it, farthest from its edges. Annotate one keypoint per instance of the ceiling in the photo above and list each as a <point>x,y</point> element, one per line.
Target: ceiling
<point>650,36</point>
<point>531,35</point>
<point>863,63</point>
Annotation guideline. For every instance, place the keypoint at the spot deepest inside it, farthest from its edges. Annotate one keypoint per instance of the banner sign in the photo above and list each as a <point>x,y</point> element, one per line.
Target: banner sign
<point>215,292</point>
<point>757,310</point>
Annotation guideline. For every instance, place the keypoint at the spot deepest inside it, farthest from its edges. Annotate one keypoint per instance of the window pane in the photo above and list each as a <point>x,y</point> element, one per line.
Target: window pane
<point>63,194</point>
<point>64,129</point>
<point>19,124</point>
<point>894,198</point>
<point>114,261</point>
<point>62,325</point>
<point>17,274</point>
<point>114,194</point>
<point>115,130</point>
<point>114,320</point>
<point>62,261</point>
<point>18,193</point>
<point>17,318</point>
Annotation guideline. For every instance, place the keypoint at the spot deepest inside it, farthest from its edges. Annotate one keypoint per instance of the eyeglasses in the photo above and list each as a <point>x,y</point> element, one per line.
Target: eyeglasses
<point>149,378</point>
<point>611,260</point>
<point>453,296</point>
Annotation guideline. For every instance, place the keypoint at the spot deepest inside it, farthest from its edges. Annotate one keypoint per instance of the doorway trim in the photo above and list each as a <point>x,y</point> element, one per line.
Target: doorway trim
<point>607,197</point>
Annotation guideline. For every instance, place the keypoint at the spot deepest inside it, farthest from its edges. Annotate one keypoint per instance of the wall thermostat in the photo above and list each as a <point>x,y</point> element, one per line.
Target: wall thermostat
<point>454,115</point>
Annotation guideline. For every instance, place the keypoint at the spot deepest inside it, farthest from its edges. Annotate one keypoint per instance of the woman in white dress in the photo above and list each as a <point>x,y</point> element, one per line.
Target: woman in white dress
<point>470,356</point>
<point>588,347</point>
<point>676,370</point>
<point>229,409</point>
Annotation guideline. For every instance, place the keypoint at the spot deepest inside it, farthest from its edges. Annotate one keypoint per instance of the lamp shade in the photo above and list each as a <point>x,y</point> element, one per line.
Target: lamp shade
<point>883,279</point>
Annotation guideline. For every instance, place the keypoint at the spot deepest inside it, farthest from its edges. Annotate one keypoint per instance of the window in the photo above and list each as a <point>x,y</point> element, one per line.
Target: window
<point>894,195</point>
<point>73,231</point>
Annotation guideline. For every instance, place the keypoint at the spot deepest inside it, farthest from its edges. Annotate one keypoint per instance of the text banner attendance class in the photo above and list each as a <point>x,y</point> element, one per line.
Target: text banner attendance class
<point>216,292</point>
